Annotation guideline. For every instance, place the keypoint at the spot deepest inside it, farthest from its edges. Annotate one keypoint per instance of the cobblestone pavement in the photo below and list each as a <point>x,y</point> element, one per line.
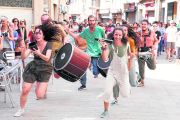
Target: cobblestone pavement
<point>158,100</point>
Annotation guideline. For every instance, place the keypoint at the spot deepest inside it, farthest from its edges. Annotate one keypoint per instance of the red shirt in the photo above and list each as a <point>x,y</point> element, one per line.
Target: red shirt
<point>149,40</point>
<point>31,36</point>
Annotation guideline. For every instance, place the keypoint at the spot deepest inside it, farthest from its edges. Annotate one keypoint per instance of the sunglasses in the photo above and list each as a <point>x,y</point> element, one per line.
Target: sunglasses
<point>15,21</point>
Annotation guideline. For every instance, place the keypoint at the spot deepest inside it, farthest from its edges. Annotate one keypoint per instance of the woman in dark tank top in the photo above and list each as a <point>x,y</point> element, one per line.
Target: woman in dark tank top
<point>23,29</point>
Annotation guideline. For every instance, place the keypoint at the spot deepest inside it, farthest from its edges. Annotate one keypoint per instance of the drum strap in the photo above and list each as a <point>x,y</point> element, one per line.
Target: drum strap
<point>145,37</point>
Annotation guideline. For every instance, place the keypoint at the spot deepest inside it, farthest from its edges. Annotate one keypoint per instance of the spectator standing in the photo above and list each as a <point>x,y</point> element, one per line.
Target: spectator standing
<point>7,33</point>
<point>158,36</point>
<point>171,33</point>
<point>15,34</point>
<point>76,27</point>
<point>162,31</point>
<point>110,26</point>
<point>31,34</point>
<point>71,39</point>
<point>23,29</point>
<point>16,26</point>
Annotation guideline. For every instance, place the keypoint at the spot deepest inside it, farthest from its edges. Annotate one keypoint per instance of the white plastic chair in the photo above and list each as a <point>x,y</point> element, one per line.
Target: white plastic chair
<point>9,56</point>
<point>7,80</point>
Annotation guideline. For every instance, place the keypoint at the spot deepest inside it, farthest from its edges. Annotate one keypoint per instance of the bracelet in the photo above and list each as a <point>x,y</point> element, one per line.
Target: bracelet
<point>103,48</point>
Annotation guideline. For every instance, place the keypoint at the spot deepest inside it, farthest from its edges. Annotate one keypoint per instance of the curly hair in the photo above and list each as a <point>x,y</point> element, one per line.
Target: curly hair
<point>51,32</point>
<point>110,36</point>
<point>133,35</point>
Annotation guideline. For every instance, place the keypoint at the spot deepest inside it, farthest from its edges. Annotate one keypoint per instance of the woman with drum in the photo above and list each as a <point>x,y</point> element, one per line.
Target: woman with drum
<point>40,68</point>
<point>119,53</point>
<point>134,41</point>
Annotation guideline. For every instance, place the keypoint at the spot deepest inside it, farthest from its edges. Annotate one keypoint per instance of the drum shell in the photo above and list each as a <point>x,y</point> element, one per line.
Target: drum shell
<point>79,63</point>
<point>75,66</point>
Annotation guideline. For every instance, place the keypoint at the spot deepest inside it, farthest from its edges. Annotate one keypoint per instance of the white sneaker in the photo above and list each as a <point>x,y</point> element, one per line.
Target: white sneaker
<point>19,113</point>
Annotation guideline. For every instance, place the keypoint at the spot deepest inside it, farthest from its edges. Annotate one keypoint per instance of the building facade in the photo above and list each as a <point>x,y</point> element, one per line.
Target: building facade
<point>31,10</point>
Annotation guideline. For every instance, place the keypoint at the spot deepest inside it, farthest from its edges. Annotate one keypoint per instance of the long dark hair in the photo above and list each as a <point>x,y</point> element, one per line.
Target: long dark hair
<point>51,32</point>
<point>133,35</point>
<point>124,39</point>
<point>17,21</point>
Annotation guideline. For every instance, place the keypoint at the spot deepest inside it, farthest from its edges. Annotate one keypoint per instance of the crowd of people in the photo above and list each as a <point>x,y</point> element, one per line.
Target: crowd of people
<point>143,41</point>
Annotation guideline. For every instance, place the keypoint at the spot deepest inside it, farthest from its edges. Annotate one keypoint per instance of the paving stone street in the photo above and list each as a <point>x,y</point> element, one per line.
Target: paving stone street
<point>159,99</point>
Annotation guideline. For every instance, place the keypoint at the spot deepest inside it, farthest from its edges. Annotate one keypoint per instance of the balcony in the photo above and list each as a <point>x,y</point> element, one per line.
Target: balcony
<point>146,1</point>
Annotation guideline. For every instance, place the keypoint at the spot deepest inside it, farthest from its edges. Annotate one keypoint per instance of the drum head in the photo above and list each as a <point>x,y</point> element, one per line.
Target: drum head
<point>64,75</point>
<point>63,56</point>
<point>103,65</point>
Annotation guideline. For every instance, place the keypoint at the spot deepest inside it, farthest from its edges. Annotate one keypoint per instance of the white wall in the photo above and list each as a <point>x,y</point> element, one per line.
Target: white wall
<point>20,13</point>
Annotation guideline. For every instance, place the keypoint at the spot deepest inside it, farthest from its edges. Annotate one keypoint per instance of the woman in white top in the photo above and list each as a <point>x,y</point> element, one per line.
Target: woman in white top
<point>119,53</point>
<point>7,33</point>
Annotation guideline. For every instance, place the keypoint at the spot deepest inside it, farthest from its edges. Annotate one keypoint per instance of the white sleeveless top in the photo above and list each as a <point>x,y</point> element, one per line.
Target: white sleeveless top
<point>6,42</point>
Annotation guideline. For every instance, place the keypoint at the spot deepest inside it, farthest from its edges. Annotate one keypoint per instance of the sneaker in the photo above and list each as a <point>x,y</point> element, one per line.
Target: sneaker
<point>141,84</point>
<point>114,102</point>
<point>95,76</point>
<point>83,87</point>
<point>44,97</point>
<point>104,114</point>
<point>19,113</point>
<point>169,60</point>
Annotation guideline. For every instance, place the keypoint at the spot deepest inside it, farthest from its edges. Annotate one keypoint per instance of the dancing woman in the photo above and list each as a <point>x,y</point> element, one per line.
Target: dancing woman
<point>119,51</point>
<point>40,68</point>
<point>134,42</point>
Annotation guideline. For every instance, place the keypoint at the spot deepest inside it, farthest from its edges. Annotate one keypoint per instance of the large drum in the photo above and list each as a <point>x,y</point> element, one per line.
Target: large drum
<point>71,63</point>
<point>103,66</point>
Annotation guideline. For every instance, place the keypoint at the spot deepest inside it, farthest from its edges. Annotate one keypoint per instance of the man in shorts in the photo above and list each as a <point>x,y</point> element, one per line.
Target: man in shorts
<point>171,33</point>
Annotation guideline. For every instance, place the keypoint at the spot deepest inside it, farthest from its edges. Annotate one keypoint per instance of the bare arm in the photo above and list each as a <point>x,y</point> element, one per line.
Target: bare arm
<point>132,53</point>
<point>176,36</point>
<point>105,52</point>
<point>75,36</point>
<point>129,61</point>
<point>1,42</point>
<point>11,37</point>
<point>155,42</point>
<point>25,53</point>
<point>76,42</point>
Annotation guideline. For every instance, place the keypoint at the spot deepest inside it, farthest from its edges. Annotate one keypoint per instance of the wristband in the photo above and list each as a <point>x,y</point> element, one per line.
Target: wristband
<point>103,48</point>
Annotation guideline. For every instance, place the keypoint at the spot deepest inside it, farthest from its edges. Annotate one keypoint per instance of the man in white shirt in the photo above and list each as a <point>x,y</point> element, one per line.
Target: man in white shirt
<point>171,34</point>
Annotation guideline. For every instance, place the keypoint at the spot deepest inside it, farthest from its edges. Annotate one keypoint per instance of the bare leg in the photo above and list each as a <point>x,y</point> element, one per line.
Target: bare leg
<point>24,94</point>
<point>172,51</point>
<point>41,89</point>
<point>106,105</point>
<point>168,53</point>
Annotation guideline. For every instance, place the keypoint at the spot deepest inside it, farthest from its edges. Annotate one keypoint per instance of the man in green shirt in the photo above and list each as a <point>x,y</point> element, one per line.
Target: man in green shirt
<point>93,46</point>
